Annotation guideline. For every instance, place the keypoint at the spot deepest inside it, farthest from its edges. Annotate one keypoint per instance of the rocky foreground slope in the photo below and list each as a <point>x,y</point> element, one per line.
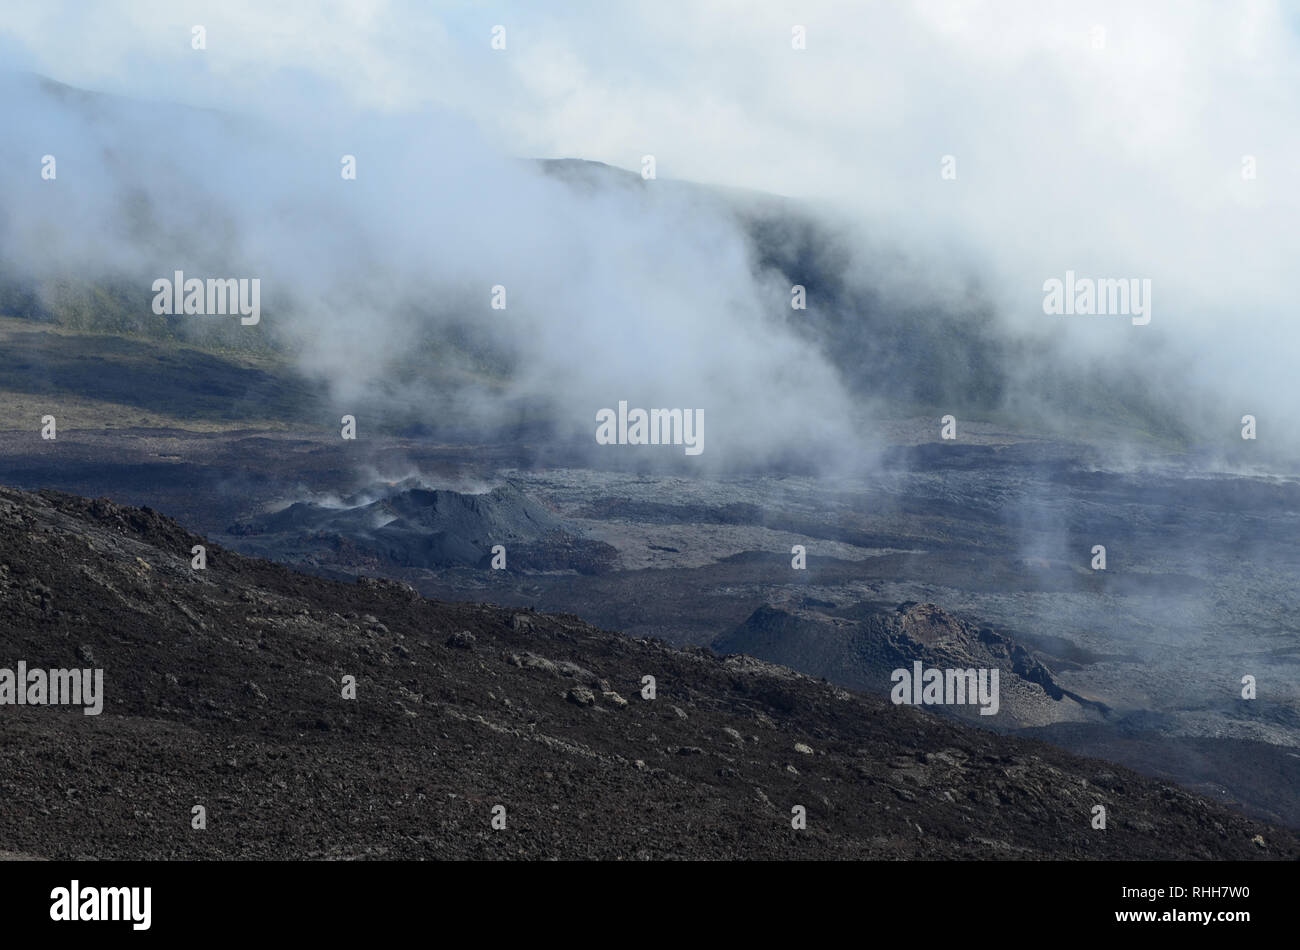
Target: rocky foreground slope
<point>224,688</point>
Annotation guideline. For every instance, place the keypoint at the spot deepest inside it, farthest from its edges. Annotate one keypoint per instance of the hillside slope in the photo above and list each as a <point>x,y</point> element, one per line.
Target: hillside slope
<point>223,690</point>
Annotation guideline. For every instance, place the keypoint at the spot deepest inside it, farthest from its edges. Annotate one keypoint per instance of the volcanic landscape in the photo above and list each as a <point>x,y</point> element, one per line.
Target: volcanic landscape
<point>396,481</point>
<point>929,559</point>
<point>223,692</point>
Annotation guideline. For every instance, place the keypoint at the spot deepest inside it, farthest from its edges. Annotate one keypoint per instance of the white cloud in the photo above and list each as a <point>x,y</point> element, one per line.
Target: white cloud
<point>1119,161</point>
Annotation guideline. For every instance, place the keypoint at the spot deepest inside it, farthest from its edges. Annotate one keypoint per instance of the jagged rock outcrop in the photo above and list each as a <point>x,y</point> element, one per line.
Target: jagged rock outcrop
<point>862,645</point>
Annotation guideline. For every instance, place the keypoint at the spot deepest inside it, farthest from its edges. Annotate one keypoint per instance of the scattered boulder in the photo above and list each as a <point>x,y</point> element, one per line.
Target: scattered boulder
<point>581,674</point>
<point>531,661</point>
<point>581,696</point>
<point>464,640</point>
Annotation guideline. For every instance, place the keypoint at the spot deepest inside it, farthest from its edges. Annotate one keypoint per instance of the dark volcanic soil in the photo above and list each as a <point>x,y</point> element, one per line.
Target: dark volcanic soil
<point>223,689</point>
<point>1200,588</point>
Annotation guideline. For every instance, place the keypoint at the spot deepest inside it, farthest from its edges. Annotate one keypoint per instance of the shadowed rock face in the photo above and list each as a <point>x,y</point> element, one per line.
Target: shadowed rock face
<point>416,527</point>
<point>223,688</point>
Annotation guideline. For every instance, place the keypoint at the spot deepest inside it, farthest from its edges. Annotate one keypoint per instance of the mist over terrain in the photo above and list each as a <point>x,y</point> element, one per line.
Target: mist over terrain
<point>840,271</point>
<point>654,292</point>
<point>381,287</point>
